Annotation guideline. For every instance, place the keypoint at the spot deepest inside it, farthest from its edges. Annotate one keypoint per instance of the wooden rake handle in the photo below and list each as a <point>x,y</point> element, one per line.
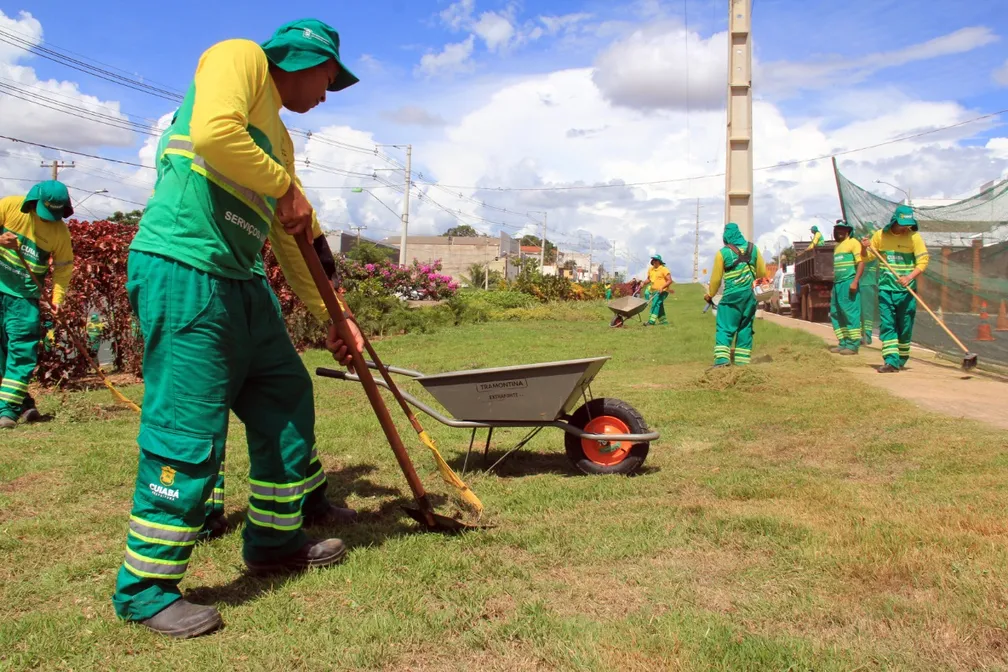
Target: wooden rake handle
<point>335,310</point>
<point>921,301</point>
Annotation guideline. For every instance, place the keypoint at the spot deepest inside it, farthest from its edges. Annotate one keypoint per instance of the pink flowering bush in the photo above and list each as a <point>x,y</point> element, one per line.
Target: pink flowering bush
<point>417,282</point>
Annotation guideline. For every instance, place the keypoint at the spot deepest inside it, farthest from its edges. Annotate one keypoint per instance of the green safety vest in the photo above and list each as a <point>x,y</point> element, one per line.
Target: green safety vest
<point>197,215</point>
<point>738,277</point>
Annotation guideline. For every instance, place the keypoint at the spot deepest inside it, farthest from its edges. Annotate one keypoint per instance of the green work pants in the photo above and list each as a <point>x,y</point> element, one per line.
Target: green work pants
<point>897,310</point>
<point>845,314</point>
<point>869,310</point>
<point>314,488</point>
<point>210,344</point>
<point>658,308</point>
<point>315,484</point>
<point>19,338</point>
<point>735,316</point>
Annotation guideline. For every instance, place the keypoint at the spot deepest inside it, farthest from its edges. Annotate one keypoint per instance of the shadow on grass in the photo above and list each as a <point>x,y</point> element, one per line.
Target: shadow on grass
<point>372,528</point>
<point>523,463</point>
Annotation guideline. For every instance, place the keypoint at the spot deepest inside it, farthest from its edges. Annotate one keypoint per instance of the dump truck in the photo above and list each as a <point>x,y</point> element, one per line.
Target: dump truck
<point>813,270</point>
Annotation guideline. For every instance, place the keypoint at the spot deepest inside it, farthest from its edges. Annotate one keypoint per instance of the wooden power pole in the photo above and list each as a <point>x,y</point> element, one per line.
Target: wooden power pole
<point>56,166</point>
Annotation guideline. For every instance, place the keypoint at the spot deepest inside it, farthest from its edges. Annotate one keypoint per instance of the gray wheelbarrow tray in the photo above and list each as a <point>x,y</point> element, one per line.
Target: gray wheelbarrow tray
<point>626,307</point>
<point>536,396</point>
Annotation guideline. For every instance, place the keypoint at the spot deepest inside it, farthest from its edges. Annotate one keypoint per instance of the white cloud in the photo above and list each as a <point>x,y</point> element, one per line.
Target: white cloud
<point>1001,74</point>
<point>35,110</point>
<point>413,115</point>
<point>781,77</point>
<point>650,68</point>
<point>458,14</point>
<point>496,30</point>
<point>452,58</point>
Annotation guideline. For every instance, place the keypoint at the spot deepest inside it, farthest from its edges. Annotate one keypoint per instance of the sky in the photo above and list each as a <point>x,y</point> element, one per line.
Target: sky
<point>607,117</point>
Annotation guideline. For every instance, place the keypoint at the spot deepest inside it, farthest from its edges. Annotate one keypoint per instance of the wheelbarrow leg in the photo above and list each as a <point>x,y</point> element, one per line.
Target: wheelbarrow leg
<point>518,446</point>
<point>472,439</point>
<point>486,448</point>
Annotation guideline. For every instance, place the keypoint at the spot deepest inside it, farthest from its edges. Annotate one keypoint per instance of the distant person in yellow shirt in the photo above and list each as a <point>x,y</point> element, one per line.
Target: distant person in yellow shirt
<point>817,238</point>
<point>902,247</point>
<point>659,281</point>
<point>34,225</point>
<point>845,302</point>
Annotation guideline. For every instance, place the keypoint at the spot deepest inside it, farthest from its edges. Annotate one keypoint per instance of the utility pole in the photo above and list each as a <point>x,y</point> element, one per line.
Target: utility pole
<point>405,207</point>
<point>56,165</point>
<point>614,258</point>
<point>696,246</point>
<point>542,250</point>
<point>739,163</point>
<point>358,230</point>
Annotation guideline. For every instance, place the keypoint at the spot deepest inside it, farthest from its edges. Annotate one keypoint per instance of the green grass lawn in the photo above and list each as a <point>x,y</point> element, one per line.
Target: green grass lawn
<point>789,518</point>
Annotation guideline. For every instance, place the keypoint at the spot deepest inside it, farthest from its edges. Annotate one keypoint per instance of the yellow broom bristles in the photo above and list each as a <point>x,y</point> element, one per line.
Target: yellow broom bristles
<point>450,477</point>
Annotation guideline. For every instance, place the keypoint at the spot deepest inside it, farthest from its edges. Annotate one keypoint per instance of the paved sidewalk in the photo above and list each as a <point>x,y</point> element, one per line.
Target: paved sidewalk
<point>928,381</point>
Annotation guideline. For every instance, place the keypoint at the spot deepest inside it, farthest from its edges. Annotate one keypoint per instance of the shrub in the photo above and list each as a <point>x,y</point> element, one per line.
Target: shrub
<point>98,286</point>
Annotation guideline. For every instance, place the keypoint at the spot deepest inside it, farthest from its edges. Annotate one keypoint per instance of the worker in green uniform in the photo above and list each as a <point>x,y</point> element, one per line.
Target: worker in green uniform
<point>214,340</point>
<point>903,248</point>
<point>658,283</point>
<point>845,301</point>
<point>869,293</point>
<point>608,292</point>
<point>817,238</point>
<point>316,509</point>
<point>739,263</point>
<point>34,225</point>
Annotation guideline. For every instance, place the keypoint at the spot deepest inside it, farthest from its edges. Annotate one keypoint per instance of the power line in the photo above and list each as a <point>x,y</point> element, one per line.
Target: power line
<point>76,153</point>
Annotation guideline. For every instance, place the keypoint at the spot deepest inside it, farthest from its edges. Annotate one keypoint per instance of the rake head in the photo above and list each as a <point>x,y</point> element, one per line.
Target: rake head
<point>435,522</point>
<point>969,361</point>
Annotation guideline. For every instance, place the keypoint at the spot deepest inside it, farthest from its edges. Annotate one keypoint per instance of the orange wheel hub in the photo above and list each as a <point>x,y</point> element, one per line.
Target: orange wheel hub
<point>605,452</point>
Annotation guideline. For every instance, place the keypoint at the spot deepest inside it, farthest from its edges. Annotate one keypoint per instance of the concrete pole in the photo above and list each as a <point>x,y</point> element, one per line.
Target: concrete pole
<point>739,162</point>
<point>542,249</point>
<point>403,259</point>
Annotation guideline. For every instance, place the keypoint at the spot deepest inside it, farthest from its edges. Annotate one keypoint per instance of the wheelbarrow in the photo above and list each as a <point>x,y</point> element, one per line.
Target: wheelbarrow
<point>602,436</point>
<point>626,307</point>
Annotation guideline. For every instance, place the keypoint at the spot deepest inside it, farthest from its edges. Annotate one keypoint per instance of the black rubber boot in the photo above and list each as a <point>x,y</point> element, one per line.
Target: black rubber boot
<point>330,514</point>
<point>182,620</point>
<point>7,423</point>
<point>848,352</point>
<point>315,553</point>
<point>214,526</point>
<point>30,415</point>
<point>836,349</point>
<point>887,368</point>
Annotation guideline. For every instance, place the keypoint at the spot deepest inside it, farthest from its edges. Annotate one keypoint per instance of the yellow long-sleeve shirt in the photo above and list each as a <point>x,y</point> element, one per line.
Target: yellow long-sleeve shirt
<point>294,267</point>
<point>234,90</point>
<point>817,240</point>
<point>905,253</point>
<point>717,273</point>
<point>42,243</point>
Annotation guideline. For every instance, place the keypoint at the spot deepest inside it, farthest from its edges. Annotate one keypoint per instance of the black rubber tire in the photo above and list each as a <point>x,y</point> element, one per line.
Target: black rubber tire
<point>617,322</point>
<point>618,409</point>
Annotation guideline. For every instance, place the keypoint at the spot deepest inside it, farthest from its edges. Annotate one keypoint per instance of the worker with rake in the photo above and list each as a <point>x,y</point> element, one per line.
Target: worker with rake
<point>213,337</point>
<point>33,233</point>
<point>902,247</point>
<point>739,263</point>
<point>658,282</point>
<point>845,302</point>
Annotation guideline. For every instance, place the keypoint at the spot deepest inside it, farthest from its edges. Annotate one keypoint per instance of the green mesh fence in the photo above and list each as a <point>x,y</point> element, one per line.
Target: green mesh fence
<point>966,282</point>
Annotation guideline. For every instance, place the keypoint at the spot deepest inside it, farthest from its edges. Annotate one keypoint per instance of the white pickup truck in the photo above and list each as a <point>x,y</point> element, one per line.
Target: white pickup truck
<point>781,292</point>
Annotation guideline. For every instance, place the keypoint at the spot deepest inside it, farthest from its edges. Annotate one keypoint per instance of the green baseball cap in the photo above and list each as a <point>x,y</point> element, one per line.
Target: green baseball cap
<point>841,223</point>
<point>51,201</point>
<point>815,229</point>
<point>657,257</point>
<point>904,217</point>
<point>304,44</point>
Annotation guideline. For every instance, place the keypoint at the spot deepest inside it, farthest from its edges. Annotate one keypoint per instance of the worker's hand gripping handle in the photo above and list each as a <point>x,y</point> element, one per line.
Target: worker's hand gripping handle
<point>362,371</point>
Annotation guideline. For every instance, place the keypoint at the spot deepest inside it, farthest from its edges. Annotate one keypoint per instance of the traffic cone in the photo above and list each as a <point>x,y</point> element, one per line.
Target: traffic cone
<point>1002,321</point>
<point>984,330</point>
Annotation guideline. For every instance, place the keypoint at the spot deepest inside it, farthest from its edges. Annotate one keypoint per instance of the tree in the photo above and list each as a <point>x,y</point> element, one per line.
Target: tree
<point>535,241</point>
<point>368,253</point>
<point>132,218</point>
<point>461,231</point>
<point>477,277</point>
<point>787,255</point>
